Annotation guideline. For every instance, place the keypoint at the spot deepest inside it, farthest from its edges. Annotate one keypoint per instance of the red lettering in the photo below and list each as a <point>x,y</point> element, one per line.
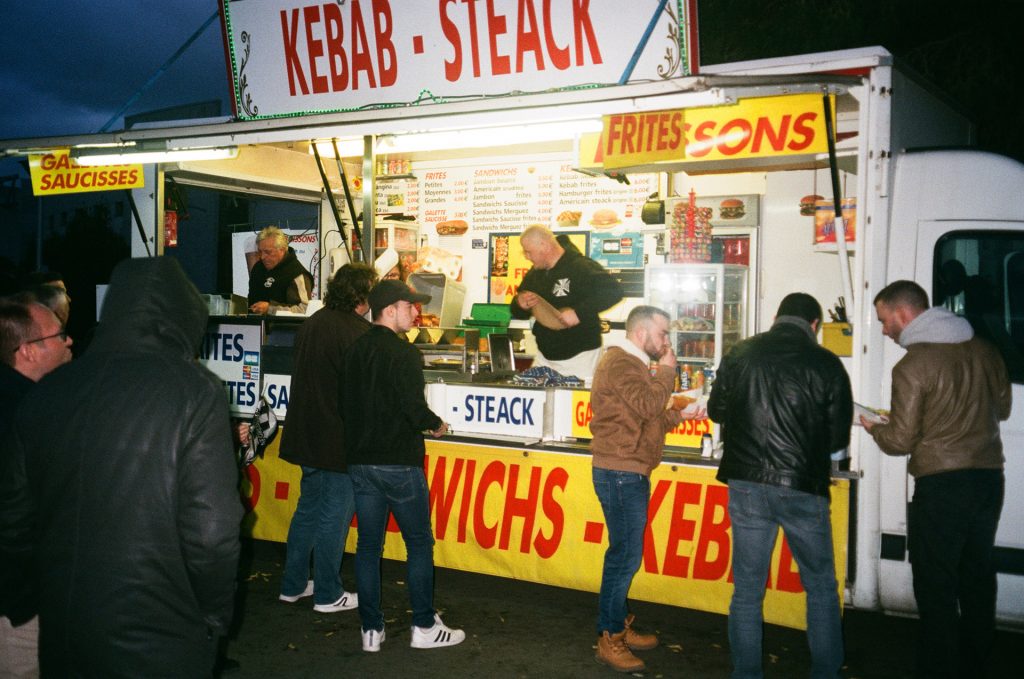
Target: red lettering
<point>677,130</point>
<point>474,42</point>
<point>614,133</point>
<point>582,25</point>
<point>442,499</point>
<point>467,496</point>
<point>702,135</point>
<point>528,38</point>
<point>360,49</point>
<point>525,507</point>
<point>714,530</point>
<point>547,546</point>
<point>559,55</point>
<point>453,68</point>
<point>385,47</point>
<point>47,162</point>
<point>314,48</point>
<point>496,27</point>
<point>628,130</point>
<point>681,529</point>
<point>337,59</point>
<point>775,138</point>
<point>494,473</point>
<point>253,475</point>
<point>731,142</point>
<point>290,36</point>
<point>803,126</point>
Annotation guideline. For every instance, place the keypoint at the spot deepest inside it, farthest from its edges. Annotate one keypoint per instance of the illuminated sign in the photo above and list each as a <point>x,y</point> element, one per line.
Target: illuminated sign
<point>56,173</point>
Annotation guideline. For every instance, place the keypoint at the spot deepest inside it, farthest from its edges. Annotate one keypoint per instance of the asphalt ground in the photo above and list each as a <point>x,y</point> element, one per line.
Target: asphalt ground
<point>520,629</point>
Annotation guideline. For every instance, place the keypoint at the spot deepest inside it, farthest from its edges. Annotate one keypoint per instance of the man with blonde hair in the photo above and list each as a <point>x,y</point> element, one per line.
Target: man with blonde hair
<point>278,282</point>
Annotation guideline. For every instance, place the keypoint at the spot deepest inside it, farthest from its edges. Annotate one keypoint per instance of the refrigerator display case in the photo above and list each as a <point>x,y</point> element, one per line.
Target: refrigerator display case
<point>402,236</point>
<point>707,307</point>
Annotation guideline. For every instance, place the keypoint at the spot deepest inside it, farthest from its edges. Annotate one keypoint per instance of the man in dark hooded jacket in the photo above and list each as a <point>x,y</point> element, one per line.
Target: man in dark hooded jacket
<point>127,497</point>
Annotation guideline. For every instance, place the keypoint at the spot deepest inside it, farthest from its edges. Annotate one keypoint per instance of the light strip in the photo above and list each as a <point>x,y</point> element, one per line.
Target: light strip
<point>480,137</point>
<point>127,156</point>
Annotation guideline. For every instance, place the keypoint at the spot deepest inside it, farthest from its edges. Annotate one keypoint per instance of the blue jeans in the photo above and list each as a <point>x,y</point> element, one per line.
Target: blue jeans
<point>953,522</point>
<point>319,526</point>
<point>403,490</point>
<point>624,497</point>
<point>756,511</point>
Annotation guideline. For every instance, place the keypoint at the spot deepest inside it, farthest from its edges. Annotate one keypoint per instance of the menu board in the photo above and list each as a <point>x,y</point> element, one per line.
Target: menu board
<point>510,196</point>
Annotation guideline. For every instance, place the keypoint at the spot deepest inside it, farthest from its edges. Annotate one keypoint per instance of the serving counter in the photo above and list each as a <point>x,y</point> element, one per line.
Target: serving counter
<point>511,491</point>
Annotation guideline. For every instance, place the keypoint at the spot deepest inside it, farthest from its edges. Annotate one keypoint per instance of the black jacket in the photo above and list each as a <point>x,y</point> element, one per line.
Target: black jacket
<point>288,284</point>
<point>312,435</point>
<point>785,406</point>
<point>382,401</point>
<point>128,499</point>
<point>16,602</point>
<point>576,282</point>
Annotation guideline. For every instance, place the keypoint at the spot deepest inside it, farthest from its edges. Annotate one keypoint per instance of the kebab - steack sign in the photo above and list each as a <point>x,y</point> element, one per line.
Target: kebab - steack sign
<point>294,57</point>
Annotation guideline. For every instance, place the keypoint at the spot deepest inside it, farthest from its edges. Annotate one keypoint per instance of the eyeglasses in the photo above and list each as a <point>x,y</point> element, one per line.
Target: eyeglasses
<point>63,335</point>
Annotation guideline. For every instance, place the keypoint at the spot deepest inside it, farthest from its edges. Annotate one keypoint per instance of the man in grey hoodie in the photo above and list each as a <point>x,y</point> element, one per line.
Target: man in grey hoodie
<point>949,393</point>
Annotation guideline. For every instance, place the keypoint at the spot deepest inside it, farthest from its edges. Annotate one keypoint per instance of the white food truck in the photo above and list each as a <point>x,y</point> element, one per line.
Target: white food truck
<point>921,201</point>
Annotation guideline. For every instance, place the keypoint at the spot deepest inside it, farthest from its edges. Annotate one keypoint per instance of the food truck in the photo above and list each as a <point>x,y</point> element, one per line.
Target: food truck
<point>707,190</point>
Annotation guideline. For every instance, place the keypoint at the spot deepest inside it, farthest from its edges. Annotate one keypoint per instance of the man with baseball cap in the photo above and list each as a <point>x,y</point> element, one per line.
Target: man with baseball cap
<point>385,414</point>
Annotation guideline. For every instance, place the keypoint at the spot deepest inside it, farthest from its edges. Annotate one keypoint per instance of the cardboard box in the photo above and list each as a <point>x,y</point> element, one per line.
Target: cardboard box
<point>837,338</point>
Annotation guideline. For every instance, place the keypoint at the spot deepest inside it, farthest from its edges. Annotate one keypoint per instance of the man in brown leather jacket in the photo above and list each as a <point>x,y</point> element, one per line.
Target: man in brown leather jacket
<point>949,393</point>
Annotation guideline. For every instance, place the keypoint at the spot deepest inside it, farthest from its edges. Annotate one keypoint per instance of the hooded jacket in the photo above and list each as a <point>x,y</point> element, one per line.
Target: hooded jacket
<point>127,497</point>
<point>949,393</point>
<point>785,406</point>
<point>287,286</point>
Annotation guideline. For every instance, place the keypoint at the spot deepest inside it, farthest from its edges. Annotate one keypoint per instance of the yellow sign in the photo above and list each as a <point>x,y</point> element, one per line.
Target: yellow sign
<point>57,173</point>
<point>534,516</point>
<point>687,435</point>
<point>752,128</point>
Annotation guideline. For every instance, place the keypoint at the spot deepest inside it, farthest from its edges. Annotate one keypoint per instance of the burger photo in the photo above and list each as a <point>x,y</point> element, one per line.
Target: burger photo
<point>731,208</point>
<point>807,204</point>
<point>604,218</point>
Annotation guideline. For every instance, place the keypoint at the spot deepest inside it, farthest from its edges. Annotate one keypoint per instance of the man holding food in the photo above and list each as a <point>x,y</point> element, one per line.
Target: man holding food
<point>633,410</point>
<point>785,405</point>
<point>564,292</point>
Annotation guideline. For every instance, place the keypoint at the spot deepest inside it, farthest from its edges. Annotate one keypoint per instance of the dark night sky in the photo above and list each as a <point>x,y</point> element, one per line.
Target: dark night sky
<point>68,66</point>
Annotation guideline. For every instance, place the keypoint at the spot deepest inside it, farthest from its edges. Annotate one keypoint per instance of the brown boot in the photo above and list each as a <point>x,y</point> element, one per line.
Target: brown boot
<point>637,641</point>
<point>613,652</point>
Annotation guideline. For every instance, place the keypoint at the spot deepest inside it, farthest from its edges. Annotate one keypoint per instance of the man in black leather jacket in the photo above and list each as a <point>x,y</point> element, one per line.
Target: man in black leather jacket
<point>785,406</point>
<point>125,491</point>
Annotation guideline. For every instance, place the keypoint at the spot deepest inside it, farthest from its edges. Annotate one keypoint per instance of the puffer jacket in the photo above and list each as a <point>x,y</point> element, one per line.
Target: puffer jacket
<point>949,393</point>
<point>785,406</point>
<point>128,497</point>
<point>287,287</point>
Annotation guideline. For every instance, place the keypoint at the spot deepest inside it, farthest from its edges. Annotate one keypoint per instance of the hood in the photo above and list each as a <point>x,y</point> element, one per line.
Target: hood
<point>937,325</point>
<point>151,306</point>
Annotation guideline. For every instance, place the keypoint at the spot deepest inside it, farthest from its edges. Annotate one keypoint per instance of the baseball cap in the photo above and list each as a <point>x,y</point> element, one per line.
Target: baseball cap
<point>387,292</point>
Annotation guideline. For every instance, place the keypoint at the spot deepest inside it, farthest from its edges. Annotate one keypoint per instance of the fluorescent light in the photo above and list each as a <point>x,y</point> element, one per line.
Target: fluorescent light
<point>477,137</point>
<point>132,155</point>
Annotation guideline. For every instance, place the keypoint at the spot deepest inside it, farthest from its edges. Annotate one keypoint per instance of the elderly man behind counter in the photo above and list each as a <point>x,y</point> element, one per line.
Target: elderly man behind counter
<point>278,282</point>
<point>578,289</point>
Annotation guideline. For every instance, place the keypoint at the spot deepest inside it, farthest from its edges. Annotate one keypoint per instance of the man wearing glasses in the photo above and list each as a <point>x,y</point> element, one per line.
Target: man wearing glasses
<point>32,343</point>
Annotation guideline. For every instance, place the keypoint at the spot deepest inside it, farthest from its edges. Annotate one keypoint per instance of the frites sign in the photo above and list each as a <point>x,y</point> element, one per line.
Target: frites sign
<point>752,128</point>
<point>56,173</point>
<point>292,57</point>
<point>535,517</point>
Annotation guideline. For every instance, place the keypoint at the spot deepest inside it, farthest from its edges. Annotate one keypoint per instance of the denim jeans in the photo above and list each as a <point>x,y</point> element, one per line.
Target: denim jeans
<point>756,511</point>
<point>319,526</point>
<point>624,497</point>
<point>953,522</point>
<point>403,490</point>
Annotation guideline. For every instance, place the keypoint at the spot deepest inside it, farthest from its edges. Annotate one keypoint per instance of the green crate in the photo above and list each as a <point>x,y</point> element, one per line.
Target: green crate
<point>495,314</point>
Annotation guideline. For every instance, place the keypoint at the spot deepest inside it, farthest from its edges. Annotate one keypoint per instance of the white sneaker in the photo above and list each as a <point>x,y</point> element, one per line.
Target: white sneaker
<point>372,640</point>
<point>292,599</point>
<point>437,636</point>
<point>346,602</point>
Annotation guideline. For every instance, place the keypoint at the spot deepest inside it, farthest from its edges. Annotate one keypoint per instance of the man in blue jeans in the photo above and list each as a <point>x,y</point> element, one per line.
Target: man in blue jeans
<point>633,410</point>
<point>313,440</point>
<point>385,414</point>
<point>785,406</point>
